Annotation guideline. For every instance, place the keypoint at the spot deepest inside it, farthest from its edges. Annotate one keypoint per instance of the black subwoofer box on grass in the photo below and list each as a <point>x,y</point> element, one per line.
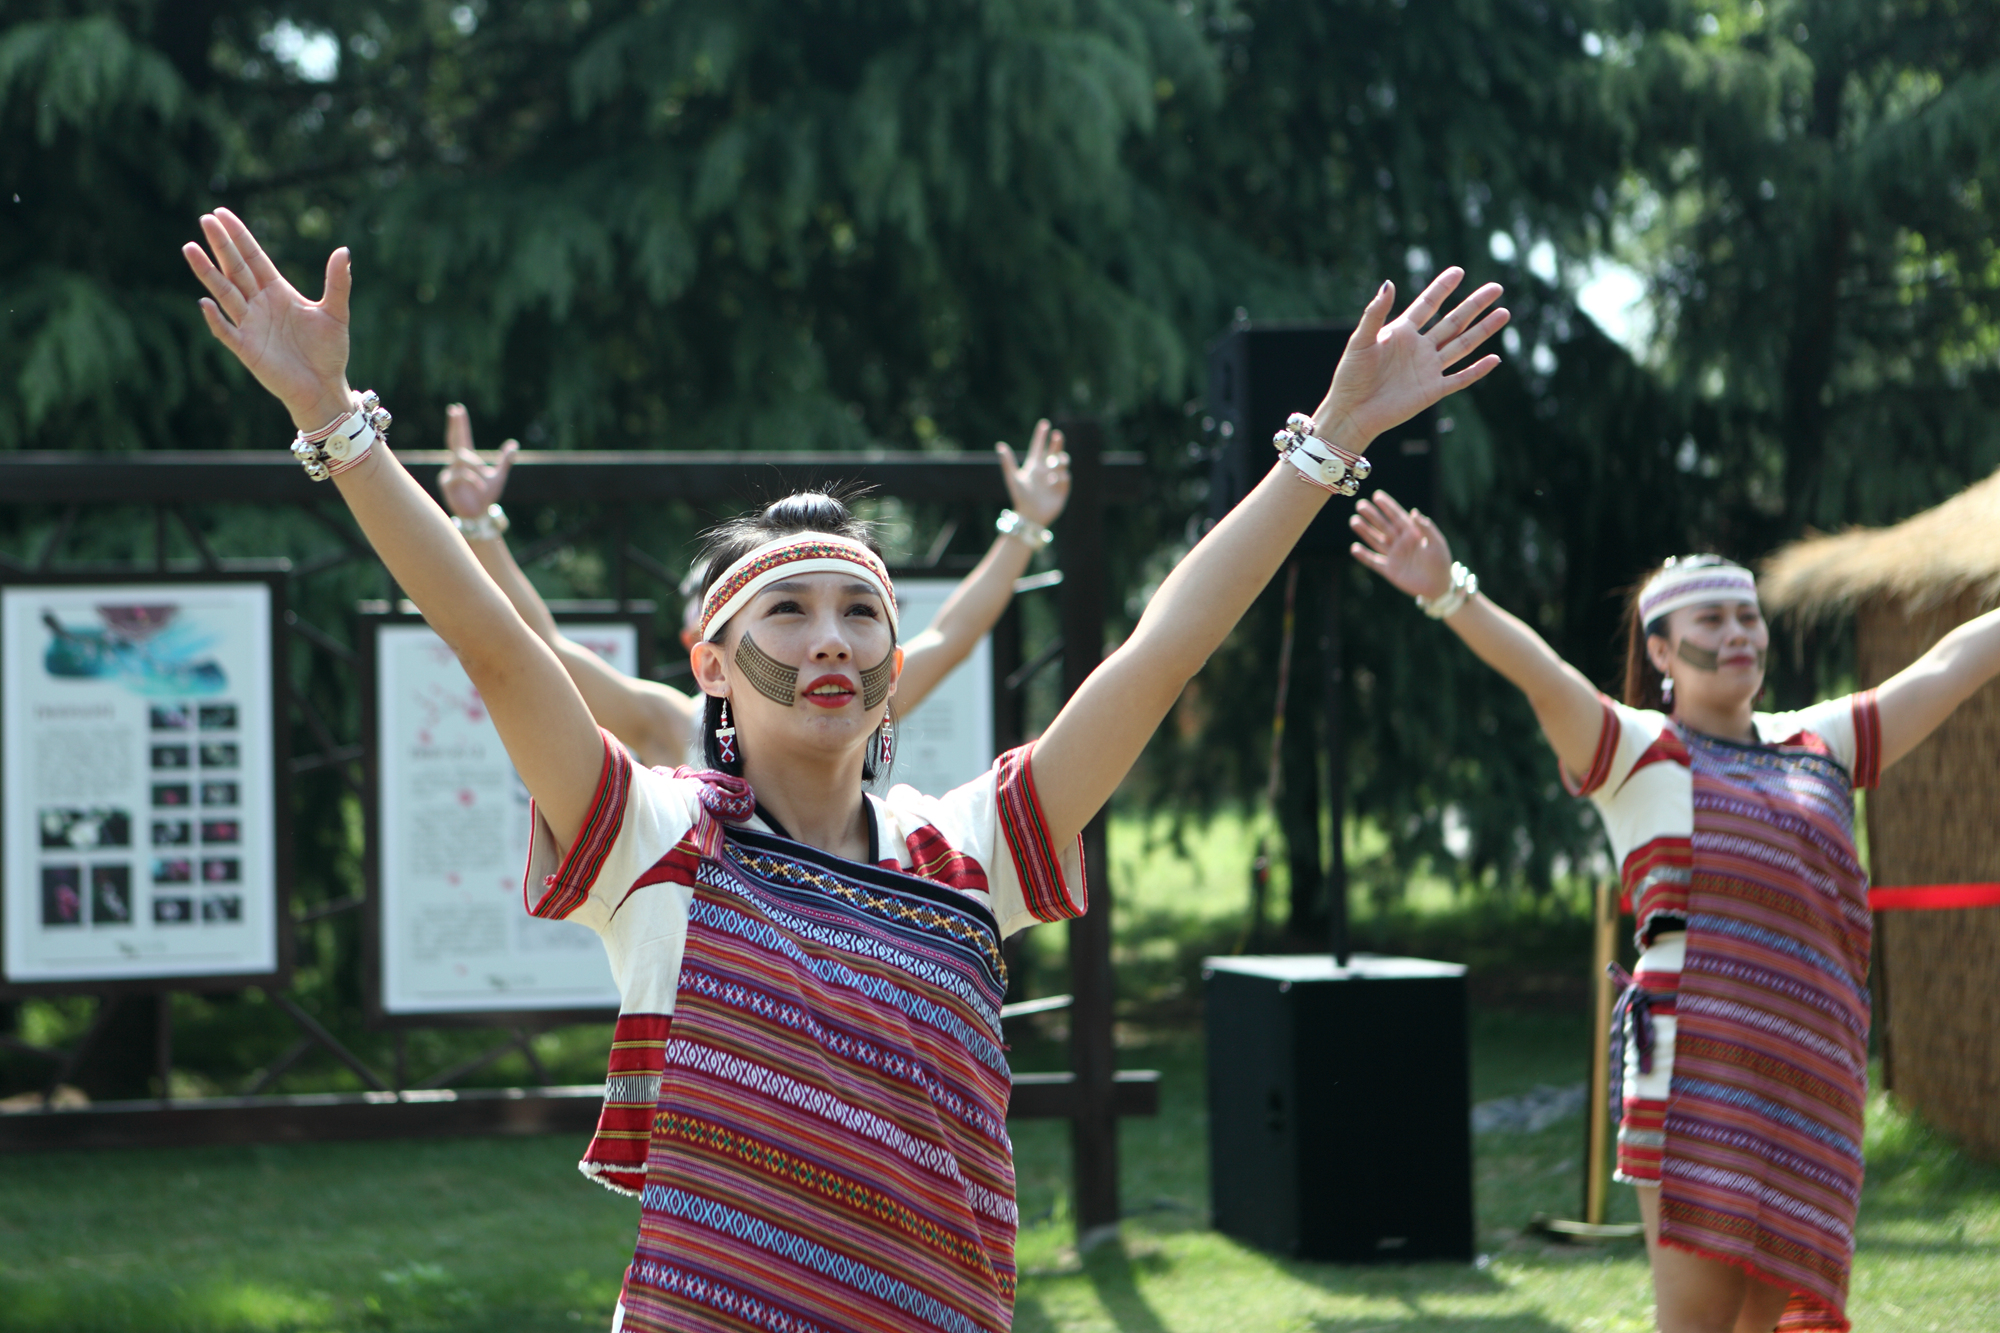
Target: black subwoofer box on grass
<point>1339,1105</point>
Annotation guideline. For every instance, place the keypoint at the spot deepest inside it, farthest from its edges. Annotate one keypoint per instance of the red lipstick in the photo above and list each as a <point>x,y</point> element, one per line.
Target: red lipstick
<point>830,691</point>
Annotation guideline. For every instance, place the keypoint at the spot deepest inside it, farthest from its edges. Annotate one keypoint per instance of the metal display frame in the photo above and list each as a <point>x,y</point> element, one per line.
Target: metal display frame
<point>281,797</point>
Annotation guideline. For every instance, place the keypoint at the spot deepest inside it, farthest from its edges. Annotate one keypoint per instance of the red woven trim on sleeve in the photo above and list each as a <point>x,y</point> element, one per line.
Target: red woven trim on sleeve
<point>565,891</point>
<point>1048,898</point>
<point>1600,762</point>
<point>616,1157</point>
<point>1867,741</point>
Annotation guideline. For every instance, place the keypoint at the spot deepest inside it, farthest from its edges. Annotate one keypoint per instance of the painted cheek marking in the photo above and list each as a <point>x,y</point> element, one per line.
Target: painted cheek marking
<point>1701,659</point>
<point>766,674</point>
<point>875,680</point>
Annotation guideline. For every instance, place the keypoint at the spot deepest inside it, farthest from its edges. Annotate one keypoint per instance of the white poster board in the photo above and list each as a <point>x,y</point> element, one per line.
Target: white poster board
<point>140,779</point>
<point>948,739</point>
<point>453,934</point>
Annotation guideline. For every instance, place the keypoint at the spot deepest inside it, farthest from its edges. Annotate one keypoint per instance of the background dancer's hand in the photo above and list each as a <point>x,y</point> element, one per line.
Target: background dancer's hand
<point>296,348</point>
<point>469,484</point>
<point>1038,488</point>
<point>1395,368</point>
<point>1403,546</point>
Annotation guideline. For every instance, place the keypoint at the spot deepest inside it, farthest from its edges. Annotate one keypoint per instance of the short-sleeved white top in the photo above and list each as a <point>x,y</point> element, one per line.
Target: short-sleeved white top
<point>1640,782</point>
<point>630,874</point>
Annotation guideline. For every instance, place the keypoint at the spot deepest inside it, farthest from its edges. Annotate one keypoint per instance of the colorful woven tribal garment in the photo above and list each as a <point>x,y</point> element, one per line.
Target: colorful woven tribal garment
<point>1741,1043</point>
<point>1762,1160</point>
<point>807,1086</point>
<point>830,1146</point>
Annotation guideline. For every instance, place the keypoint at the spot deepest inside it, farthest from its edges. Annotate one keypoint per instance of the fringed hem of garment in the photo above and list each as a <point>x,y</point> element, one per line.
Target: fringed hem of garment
<point>602,1175</point>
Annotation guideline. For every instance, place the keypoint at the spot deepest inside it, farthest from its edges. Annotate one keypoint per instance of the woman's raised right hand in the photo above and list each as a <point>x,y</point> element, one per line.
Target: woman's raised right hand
<point>296,348</point>
<point>1402,545</point>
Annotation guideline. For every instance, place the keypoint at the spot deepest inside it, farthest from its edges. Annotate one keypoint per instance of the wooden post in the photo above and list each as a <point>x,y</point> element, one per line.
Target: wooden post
<point>1596,1148</point>
<point>1094,1131</point>
<point>163,1045</point>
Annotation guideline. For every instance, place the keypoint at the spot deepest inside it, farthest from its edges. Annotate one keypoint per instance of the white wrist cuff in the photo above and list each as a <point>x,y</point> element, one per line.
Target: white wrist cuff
<point>488,527</point>
<point>343,442</point>
<point>1326,466</point>
<point>1024,530</point>
<point>1464,587</point>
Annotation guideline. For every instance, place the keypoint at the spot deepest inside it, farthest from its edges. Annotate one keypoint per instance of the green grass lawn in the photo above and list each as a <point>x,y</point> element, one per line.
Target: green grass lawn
<point>503,1234</point>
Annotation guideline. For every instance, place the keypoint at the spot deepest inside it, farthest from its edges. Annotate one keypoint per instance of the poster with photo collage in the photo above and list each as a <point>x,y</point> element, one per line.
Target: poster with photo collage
<point>140,812</point>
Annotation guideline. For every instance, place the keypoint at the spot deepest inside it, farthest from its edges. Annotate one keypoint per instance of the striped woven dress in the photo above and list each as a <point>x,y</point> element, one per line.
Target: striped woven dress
<point>808,1090</point>
<point>1744,1036</point>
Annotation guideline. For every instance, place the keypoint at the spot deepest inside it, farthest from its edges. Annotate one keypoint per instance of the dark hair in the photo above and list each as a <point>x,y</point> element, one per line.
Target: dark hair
<point>1642,679</point>
<point>727,542</point>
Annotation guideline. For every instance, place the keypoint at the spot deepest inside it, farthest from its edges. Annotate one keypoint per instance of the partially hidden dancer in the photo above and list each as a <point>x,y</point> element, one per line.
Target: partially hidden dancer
<point>1740,1048</point>
<point>808,1091</point>
<point>660,724</point>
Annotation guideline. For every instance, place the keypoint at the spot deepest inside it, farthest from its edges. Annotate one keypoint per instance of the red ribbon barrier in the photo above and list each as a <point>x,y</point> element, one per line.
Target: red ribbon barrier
<point>1933,897</point>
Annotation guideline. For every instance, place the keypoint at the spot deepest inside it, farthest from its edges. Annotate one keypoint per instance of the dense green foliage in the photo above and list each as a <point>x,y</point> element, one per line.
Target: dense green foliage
<point>836,223</point>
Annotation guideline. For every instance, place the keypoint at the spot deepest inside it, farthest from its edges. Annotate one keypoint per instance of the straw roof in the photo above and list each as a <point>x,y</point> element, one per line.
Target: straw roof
<point>1939,554</point>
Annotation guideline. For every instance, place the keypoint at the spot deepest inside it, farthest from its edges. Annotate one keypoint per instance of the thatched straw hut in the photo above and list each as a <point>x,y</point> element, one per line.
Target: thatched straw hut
<point>1936,817</point>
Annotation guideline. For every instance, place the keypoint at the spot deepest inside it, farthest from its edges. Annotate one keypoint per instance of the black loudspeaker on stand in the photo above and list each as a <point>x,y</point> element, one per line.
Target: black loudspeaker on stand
<point>1260,373</point>
<point>1339,1088</point>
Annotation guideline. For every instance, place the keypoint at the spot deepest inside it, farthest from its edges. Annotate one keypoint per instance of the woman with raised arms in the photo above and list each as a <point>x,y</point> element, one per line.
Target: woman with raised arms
<point>660,724</point>
<point>1743,1039</point>
<point>808,1088</point>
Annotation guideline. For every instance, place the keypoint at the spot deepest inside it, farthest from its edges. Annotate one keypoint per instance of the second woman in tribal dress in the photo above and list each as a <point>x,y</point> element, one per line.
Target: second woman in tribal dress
<point>1744,1036</point>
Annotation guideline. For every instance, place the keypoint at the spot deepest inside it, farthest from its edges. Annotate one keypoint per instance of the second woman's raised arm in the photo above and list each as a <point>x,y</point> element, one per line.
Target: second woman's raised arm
<point>656,722</point>
<point>1406,548</point>
<point>1390,371</point>
<point>297,349</point>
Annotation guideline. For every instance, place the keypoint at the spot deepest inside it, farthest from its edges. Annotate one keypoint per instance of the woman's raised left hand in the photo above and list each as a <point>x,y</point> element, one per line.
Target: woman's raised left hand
<point>1038,487</point>
<point>296,348</point>
<point>1395,368</point>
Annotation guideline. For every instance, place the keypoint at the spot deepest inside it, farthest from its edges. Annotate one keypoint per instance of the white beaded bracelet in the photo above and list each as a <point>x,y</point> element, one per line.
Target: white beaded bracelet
<point>343,442</point>
<point>1464,587</point>
<point>1325,465</point>
<point>1024,530</point>
<point>488,527</point>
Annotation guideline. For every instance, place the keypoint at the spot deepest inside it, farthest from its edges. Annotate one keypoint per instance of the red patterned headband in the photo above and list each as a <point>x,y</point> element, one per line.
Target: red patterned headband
<point>798,553</point>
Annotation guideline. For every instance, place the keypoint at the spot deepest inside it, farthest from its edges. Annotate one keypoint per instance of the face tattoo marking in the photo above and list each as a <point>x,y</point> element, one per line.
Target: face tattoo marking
<point>770,677</point>
<point>1701,659</point>
<point>875,680</point>
<point>1707,659</point>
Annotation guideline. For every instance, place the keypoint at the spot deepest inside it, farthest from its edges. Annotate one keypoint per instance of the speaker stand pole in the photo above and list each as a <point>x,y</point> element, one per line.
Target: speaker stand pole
<point>1336,765</point>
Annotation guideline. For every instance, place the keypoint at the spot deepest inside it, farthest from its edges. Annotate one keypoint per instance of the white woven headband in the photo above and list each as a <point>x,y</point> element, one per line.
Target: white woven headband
<point>787,557</point>
<point>1693,585</point>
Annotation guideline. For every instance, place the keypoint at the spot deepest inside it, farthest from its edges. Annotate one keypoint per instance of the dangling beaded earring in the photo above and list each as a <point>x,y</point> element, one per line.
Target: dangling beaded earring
<point>1667,691</point>
<point>886,741</point>
<point>725,737</point>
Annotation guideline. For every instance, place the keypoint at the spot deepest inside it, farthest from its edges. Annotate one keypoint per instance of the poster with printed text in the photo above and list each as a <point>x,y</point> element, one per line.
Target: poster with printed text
<point>948,739</point>
<point>140,781</point>
<point>452,818</point>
